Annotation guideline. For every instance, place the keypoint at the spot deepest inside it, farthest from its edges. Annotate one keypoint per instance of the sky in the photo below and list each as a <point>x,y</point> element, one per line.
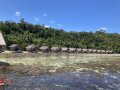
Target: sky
<point>70,15</point>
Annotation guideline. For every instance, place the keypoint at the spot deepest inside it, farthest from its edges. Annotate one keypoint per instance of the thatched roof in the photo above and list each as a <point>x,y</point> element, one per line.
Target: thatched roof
<point>99,50</point>
<point>103,51</point>
<point>30,46</point>
<point>44,47</point>
<point>79,49</point>
<point>14,45</point>
<point>84,50</point>
<point>72,49</point>
<point>94,50</point>
<point>90,50</point>
<point>55,48</point>
<point>109,51</point>
<point>64,48</point>
<point>2,41</point>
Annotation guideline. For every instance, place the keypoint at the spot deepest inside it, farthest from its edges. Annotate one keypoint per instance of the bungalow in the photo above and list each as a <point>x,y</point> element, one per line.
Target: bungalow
<point>44,49</point>
<point>71,50</point>
<point>64,49</point>
<point>55,49</point>
<point>99,51</point>
<point>31,48</point>
<point>79,50</point>
<point>84,50</point>
<point>15,48</point>
<point>94,51</point>
<point>109,52</point>
<point>90,51</point>
<point>103,51</point>
<point>2,43</point>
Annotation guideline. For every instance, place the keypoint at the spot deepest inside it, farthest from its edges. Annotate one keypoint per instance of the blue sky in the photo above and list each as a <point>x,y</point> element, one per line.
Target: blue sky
<point>70,15</point>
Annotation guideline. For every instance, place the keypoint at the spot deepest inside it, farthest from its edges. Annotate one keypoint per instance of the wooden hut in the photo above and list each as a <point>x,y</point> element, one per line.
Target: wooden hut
<point>103,51</point>
<point>99,51</point>
<point>94,51</point>
<point>84,50</point>
<point>2,43</point>
<point>71,50</point>
<point>79,50</point>
<point>64,49</point>
<point>31,48</point>
<point>44,49</point>
<point>55,49</point>
<point>15,48</point>
<point>109,52</point>
<point>90,51</point>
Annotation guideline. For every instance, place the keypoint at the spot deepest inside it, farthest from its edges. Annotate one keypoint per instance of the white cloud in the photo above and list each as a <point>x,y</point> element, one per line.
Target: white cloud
<point>17,13</point>
<point>60,25</point>
<point>52,21</point>
<point>36,19</point>
<point>103,28</point>
<point>45,14</point>
<point>46,26</point>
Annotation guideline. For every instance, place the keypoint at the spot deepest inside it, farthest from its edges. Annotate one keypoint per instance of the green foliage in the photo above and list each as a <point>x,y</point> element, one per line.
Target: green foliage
<point>24,33</point>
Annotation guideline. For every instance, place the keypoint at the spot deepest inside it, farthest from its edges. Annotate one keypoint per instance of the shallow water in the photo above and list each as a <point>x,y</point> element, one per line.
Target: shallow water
<point>68,81</point>
<point>102,72</point>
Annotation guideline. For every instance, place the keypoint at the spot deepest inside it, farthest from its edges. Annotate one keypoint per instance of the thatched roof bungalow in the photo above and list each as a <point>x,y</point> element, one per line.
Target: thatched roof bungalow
<point>55,49</point>
<point>2,43</point>
<point>64,49</point>
<point>103,51</point>
<point>79,50</point>
<point>90,51</point>
<point>84,50</point>
<point>44,49</point>
<point>94,51</point>
<point>109,52</point>
<point>15,47</point>
<point>31,48</point>
<point>99,51</point>
<point>71,50</point>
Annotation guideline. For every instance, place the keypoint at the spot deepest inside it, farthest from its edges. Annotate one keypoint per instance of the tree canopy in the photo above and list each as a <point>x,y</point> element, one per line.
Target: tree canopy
<point>24,33</point>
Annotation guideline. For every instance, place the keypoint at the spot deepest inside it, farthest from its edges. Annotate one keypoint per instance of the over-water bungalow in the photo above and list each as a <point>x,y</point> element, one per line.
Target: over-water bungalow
<point>71,50</point>
<point>44,49</point>
<point>32,48</point>
<point>79,50</point>
<point>2,43</point>
<point>15,48</point>
<point>55,49</point>
<point>64,49</point>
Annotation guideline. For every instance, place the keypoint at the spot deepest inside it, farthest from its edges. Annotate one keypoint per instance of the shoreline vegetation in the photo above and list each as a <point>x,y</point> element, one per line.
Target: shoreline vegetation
<point>24,34</point>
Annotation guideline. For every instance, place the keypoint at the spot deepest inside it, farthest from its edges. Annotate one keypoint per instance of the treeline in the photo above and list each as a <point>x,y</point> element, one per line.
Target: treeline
<point>24,33</point>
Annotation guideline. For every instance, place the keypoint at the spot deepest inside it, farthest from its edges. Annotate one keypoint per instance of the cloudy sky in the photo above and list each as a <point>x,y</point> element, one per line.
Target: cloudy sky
<point>70,15</point>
